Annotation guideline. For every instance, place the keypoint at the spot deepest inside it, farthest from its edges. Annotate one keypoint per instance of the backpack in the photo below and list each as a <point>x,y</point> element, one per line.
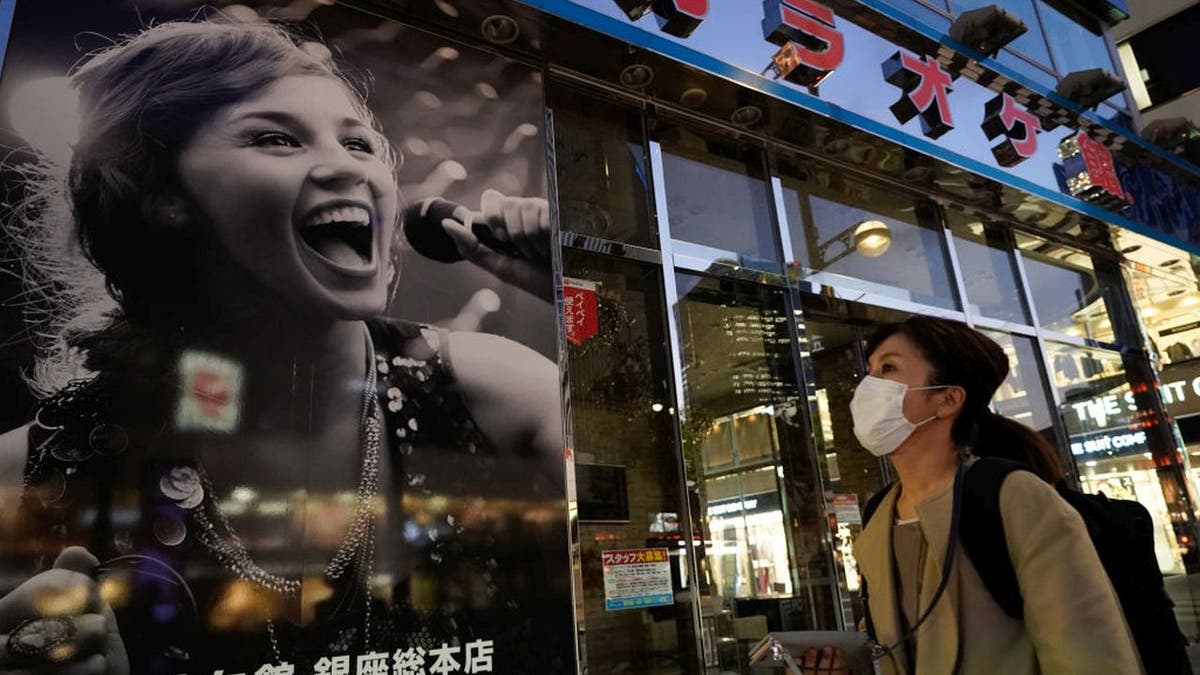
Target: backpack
<point>1122,532</point>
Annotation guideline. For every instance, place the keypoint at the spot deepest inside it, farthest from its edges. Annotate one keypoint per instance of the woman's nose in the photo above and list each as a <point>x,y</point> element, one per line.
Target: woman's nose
<point>338,169</point>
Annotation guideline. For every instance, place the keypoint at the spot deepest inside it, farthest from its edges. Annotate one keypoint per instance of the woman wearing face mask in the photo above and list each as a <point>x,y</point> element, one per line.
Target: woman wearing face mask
<point>261,468</point>
<point>924,405</point>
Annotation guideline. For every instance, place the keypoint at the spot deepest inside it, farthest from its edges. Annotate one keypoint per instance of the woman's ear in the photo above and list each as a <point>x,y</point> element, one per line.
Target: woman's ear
<point>953,398</point>
<point>166,210</point>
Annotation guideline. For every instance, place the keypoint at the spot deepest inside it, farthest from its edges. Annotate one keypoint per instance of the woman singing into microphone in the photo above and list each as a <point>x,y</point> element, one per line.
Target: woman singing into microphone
<point>236,463</point>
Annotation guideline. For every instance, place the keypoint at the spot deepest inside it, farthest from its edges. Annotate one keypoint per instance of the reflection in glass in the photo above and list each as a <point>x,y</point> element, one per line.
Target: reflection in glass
<point>717,197</point>
<point>856,235</point>
<point>765,563</point>
<point>621,418</point>
<point>1108,440</point>
<point>989,273</point>
<point>603,183</point>
<point>924,12</point>
<point>1022,396</point>
<point>1032,43</point>
<point>1033,72</point>
<point>850,473</point>
<point>1075,47</point>
<point>1066,293</point>
<point>1164,286</point>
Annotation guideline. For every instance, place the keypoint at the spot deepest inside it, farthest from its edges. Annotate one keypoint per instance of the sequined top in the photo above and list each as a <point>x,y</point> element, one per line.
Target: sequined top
<point>459,569</point>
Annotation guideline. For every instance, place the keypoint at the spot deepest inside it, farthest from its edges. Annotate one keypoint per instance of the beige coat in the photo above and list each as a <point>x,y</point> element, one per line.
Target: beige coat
<point>1073,621</point>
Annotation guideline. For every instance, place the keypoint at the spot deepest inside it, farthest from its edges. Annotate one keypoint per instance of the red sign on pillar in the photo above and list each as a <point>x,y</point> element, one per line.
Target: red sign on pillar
<point>581,316</point>
<point>1090,173</point>
<point>811,48</point>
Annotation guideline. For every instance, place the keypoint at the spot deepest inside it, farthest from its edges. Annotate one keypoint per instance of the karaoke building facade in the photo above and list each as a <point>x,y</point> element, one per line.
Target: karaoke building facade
<point>742,191</point>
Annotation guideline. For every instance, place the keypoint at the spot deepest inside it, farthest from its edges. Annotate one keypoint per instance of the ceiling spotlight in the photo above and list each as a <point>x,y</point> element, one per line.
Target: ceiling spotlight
<point>987,29</point>
<point>500,29</point>
<point>872,238</point>
<point>693,97</point>
<point>746,116</point>
<point>636,76</point>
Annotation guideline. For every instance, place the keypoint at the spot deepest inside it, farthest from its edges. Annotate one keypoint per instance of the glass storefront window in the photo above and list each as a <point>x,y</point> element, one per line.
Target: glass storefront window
<point>850,234</point>
<point>765,560</point>
<point>1032,43</point>
<point>1022,396</point>
<point>1066,293</point>
<point>718,200</point>
<point>602,168</point>
<point>1165,286</point>
<point>991,285</point>
<point>1107,439</point>
<point>924,11</point>
<point>1035,73</point>
<point>627,470</point>
<point>1075,47</point>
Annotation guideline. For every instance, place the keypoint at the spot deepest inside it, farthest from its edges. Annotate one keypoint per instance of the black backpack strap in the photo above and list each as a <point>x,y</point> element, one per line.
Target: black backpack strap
<point>983,532</point>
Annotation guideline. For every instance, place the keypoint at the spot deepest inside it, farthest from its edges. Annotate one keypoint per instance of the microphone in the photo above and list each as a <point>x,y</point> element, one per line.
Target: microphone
<point>423,229</point>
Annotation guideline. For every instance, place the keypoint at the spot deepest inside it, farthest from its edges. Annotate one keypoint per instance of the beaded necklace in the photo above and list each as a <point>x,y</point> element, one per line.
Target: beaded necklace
<point>193,490</point>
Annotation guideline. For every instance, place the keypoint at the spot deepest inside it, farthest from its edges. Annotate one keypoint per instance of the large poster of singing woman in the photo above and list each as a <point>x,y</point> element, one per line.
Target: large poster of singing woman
<point>277,347</point>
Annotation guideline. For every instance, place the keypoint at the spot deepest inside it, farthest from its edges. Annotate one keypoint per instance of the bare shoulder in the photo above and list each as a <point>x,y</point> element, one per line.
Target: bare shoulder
<point>492,361</point>
<point>511,390</point>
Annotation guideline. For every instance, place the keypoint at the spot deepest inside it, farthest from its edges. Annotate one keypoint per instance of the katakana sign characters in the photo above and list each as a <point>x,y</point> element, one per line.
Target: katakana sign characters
<point>811,48</point>
<point>926,86</point>
<point>675,17</point>
<point>1003,116</point>
<point>581,315</point>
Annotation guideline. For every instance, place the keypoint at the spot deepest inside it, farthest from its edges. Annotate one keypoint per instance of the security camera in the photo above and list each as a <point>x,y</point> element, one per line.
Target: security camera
<point>1089,87</point>
<point>987,29</point>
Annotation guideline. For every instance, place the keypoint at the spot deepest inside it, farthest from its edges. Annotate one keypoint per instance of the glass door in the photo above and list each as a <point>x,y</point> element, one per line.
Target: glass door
<point>832,334</point>
<point>763,558</point>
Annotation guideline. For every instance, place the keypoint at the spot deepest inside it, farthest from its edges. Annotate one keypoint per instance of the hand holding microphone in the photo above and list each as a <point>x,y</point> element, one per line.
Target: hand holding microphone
<point>508,236</point>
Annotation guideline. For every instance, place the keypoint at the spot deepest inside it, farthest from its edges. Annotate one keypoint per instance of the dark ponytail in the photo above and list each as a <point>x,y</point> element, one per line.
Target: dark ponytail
<point>998,436</point>
<point>964,357</point>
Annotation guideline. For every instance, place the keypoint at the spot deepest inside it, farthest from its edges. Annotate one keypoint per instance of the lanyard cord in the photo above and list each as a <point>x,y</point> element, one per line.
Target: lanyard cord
<point>878,650</point>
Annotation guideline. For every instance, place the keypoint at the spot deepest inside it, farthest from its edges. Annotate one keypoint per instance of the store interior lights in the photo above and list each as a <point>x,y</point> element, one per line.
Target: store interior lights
<point>872,238</point>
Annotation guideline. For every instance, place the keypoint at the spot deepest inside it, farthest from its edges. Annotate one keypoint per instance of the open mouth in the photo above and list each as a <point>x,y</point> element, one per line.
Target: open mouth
<point>342,235</point>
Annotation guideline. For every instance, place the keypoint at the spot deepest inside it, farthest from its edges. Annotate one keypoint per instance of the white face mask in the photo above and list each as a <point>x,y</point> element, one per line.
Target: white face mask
<point>878,412</point>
